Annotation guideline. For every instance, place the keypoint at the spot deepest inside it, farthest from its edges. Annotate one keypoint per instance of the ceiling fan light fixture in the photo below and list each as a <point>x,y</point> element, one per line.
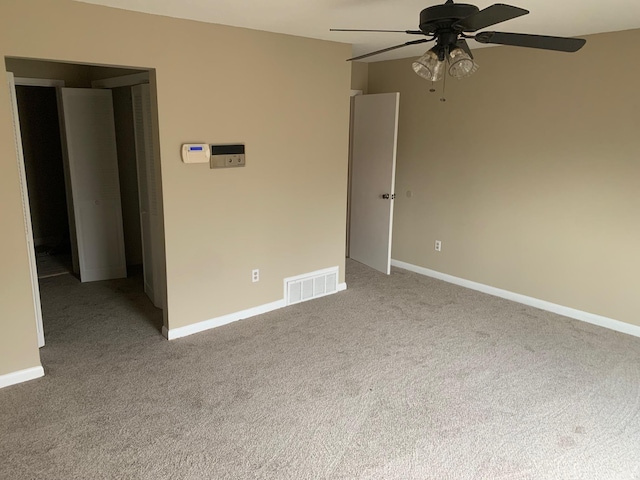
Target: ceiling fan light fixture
<point>461,65</point>
<point>429,66</point>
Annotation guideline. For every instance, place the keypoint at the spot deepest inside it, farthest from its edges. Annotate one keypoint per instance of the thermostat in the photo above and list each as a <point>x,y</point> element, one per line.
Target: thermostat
<point>223,156</point>
<point>195,153</point>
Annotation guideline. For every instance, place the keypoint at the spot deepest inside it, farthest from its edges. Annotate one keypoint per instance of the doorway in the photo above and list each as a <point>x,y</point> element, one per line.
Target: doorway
<point>40,131</point>
<point>83,214</point>
<point>371,193</point>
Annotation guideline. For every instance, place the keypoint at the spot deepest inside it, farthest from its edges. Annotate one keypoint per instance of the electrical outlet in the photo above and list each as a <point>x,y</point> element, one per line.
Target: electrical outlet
<point>255,275</point>
<point>438,246</point>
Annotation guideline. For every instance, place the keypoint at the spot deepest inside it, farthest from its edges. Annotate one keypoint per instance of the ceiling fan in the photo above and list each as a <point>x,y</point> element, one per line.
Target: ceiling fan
<point>449,26</point>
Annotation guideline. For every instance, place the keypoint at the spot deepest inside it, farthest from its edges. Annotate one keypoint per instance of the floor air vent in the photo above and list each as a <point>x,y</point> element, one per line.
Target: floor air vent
<point>311,285</point>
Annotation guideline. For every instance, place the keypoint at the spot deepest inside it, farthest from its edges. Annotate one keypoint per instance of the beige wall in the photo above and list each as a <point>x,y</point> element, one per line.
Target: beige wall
<point>285,97</point>
<point>528,173</point>
<point>360,76</point>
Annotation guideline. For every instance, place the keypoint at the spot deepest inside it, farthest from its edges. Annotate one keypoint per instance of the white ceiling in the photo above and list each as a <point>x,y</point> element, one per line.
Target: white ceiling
<point>313,18</point>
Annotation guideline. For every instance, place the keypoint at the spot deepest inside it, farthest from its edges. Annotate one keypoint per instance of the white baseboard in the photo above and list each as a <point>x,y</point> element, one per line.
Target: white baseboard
<point>599,320</point>
<point>173,333</point>
<point>21,376</point>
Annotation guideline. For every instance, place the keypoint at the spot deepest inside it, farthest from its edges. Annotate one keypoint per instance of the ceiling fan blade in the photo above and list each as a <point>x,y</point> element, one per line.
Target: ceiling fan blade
<point>462,43</point>
<point>560,44</point>
<point>371,54</point>
<point>410,32</point>
<point>496,13</point>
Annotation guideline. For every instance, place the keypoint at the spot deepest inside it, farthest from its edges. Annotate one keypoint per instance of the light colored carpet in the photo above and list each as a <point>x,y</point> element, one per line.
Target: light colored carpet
<point>399,377</point>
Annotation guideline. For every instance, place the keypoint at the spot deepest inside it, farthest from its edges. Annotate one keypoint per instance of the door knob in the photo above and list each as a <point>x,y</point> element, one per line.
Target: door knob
<point>385,196</point>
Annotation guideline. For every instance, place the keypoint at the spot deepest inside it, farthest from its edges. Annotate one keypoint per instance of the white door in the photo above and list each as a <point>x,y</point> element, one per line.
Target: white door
<point>373,169</point>
<point>35,287</point>
<point>91,167</point>
<point>152,249</point>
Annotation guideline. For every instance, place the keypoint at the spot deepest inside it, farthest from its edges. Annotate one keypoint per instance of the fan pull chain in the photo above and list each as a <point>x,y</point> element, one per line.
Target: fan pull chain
<point>432,89</point>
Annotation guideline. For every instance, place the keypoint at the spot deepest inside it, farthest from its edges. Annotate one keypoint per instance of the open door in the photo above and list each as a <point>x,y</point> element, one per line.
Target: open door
<point>150,222</point>
<point>28,229</point>
<point>373,169</point>
<point>93,186</point>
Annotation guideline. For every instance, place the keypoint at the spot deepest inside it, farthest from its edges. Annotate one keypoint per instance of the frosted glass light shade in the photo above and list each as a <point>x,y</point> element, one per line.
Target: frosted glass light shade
<point>461,64</point>
<point>429,66</point>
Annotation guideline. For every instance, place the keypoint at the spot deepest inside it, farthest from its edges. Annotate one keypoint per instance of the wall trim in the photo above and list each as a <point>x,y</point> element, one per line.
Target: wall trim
<point>20,376</point>
<point>592,318</point>
<point>173,333</point>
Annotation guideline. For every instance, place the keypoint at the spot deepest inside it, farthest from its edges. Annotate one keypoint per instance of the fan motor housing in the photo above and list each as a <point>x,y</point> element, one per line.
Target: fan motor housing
<point>441,17</point>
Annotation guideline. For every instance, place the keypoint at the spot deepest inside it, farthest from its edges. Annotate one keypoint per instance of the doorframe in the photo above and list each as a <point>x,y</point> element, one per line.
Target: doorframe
<point>24,192</point>
<point>391,192</point>
<point>37,82</point>
<point>130,80</point>
<point>158,264</point>
<point>354,93</point>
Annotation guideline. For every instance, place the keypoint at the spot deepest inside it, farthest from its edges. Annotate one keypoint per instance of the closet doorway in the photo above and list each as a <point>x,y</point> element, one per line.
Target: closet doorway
<point>90,176</point>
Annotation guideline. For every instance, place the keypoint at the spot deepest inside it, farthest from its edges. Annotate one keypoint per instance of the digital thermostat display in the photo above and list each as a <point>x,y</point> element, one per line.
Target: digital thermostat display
<point>225,156</point>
